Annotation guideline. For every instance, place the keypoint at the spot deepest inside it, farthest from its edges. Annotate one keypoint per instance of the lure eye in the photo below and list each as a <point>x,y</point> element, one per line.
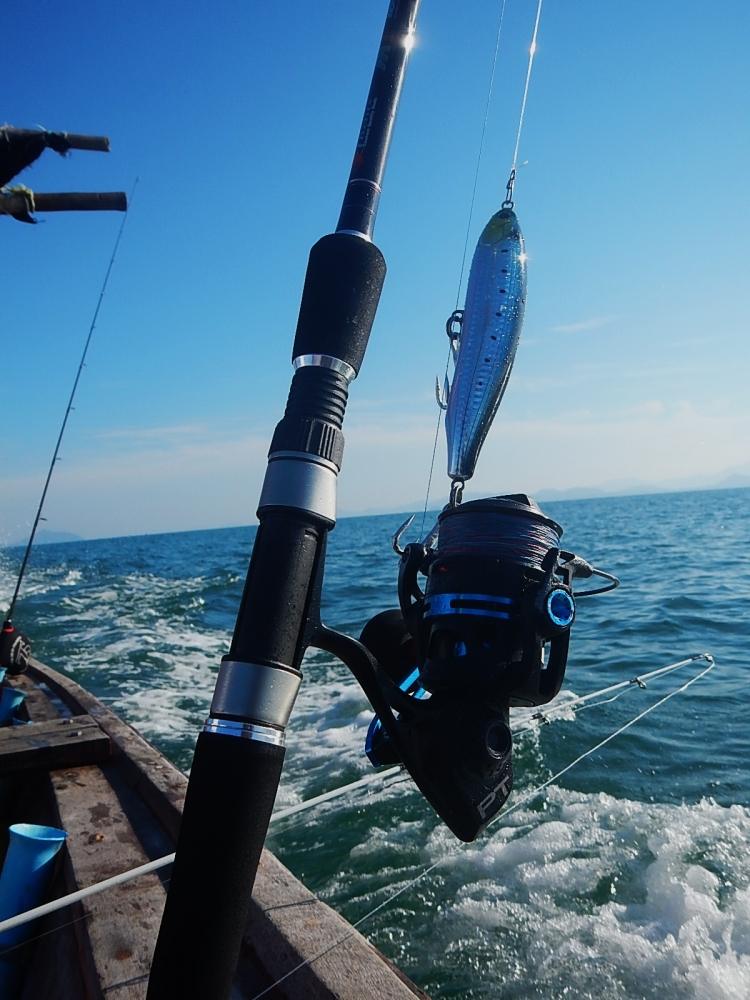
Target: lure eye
<point>561,608</point>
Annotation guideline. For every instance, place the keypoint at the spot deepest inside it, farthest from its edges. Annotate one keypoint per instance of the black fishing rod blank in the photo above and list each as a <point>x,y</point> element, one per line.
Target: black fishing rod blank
<point>239,754</point>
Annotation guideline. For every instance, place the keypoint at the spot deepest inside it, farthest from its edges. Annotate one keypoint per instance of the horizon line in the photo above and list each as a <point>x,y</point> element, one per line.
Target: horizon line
<point>369,513</point>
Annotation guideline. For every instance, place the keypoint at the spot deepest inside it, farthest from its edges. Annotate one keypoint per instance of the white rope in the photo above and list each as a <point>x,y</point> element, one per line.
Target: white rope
<point>382,777</point>
<point>334,793</point>
<point>523,800</point>
<point>91,890</point>
<point>158,863</point>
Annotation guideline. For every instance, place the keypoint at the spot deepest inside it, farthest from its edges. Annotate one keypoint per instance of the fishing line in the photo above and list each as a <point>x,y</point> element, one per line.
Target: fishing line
<point>69,407</point>
<point>462,269</point>
<point>158,863</point>
<point>523,800</point>
<point>581,702</point>
<point>522,116</point>
<point>44,934</point>
<point>384,777</point>
<point>508,202</point>
<point>480,153</point>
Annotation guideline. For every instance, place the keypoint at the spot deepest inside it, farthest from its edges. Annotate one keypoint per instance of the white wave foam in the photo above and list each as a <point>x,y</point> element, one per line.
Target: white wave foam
<point>612,898</point>
<point>582,895</point>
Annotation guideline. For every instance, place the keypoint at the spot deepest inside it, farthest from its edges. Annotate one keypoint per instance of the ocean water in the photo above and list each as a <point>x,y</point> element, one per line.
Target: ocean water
<point>629,877</point>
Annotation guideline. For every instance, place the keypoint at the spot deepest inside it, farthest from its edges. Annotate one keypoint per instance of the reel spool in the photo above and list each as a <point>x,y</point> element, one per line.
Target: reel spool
<point>489,631</point>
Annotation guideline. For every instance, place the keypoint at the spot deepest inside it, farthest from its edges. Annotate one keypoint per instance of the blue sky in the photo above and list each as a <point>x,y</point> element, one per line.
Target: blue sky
<point>240,121</point>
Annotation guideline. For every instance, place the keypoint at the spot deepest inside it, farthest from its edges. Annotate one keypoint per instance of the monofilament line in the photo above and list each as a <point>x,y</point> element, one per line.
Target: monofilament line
<point>68,408</point>
<point>382,777</point>
<point>462,269</point>
<point>480,153</point>
<point>524,99</point>
<point>523,800</point>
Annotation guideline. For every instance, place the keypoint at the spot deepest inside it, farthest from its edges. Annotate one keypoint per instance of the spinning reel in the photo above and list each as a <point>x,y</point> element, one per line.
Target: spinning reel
<point>489,631</point>
<point>15,649</point>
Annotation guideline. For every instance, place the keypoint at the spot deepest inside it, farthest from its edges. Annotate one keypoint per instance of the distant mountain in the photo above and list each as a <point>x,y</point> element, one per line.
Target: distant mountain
<point>735,480</point>
<point>732,479</point>
<point>575,493</point>
<point>44,537</point>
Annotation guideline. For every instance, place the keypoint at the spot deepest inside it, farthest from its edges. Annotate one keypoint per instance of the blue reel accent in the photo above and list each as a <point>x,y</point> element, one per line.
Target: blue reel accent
<point>372,731</point>
<point>409,685</point>
<point>560,607</point>
<point>484,605</point>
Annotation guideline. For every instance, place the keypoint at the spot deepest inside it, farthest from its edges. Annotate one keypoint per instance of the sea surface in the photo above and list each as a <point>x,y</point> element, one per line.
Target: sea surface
<point>629,877</point>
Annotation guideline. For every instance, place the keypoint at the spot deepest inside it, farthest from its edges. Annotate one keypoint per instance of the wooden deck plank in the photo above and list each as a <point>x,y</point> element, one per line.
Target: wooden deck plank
<point>121,923</point>
<point>51,744</point>
<point>287,924</point>
<point>159,783</point>
<point>36,705</point>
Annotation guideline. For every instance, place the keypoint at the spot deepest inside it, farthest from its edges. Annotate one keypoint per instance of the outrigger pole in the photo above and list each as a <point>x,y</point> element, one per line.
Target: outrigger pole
<point>240,752</point>
<point>21,147</point>
<point>23,203</point>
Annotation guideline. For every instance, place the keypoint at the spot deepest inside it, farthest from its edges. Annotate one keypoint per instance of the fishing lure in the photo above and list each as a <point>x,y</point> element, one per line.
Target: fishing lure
<point>484,337</point>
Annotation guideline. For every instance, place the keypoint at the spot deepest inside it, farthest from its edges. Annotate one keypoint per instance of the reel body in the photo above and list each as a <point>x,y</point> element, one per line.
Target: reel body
<point>489,631</point>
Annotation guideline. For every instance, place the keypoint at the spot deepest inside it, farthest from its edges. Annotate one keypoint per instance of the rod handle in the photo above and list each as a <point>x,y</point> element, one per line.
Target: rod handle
<point>344,279</point>
<point>228,806</point>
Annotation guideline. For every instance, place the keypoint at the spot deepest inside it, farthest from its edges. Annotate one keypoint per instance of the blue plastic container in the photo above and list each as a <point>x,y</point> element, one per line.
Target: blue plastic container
<point>10,700</point>
<point>26,874</point>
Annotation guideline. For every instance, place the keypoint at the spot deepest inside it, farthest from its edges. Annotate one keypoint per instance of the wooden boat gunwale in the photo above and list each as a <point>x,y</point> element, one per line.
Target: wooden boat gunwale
<point>102,948</point>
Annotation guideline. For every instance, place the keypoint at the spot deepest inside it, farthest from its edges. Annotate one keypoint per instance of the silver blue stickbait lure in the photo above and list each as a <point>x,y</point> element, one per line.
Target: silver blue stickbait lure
<point>484,338</point>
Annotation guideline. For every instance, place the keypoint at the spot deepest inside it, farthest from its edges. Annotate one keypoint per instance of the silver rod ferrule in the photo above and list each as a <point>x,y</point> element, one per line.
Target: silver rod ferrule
<point>255,691</point>
<point>325,361</point>
<point>300,481</point>
<point>245,731</point>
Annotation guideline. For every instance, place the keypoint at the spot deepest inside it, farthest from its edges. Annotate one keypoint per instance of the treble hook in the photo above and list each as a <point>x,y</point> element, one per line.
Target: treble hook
<point>397,537</point>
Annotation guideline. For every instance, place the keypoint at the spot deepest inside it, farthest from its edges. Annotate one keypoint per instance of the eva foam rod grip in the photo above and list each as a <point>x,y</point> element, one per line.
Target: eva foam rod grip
<point>344,279</point>
<point>229,800</point>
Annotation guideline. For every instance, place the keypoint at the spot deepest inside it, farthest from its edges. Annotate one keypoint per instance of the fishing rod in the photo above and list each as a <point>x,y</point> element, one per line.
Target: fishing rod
<point>487,630</point>
<point>240,752</point>
<point>15,648</point>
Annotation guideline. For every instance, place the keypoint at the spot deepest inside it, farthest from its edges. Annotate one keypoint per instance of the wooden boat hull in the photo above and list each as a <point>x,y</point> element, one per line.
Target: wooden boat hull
<point>120,801</point>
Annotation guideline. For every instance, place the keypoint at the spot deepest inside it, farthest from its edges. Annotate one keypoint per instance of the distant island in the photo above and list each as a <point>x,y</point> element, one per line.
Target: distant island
<point>43,537</point>
<point>625,488</point>
<point>736,480</point>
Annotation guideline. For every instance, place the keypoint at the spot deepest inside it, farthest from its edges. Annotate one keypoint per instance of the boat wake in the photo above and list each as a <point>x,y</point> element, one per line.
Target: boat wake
<point>594,896</point>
